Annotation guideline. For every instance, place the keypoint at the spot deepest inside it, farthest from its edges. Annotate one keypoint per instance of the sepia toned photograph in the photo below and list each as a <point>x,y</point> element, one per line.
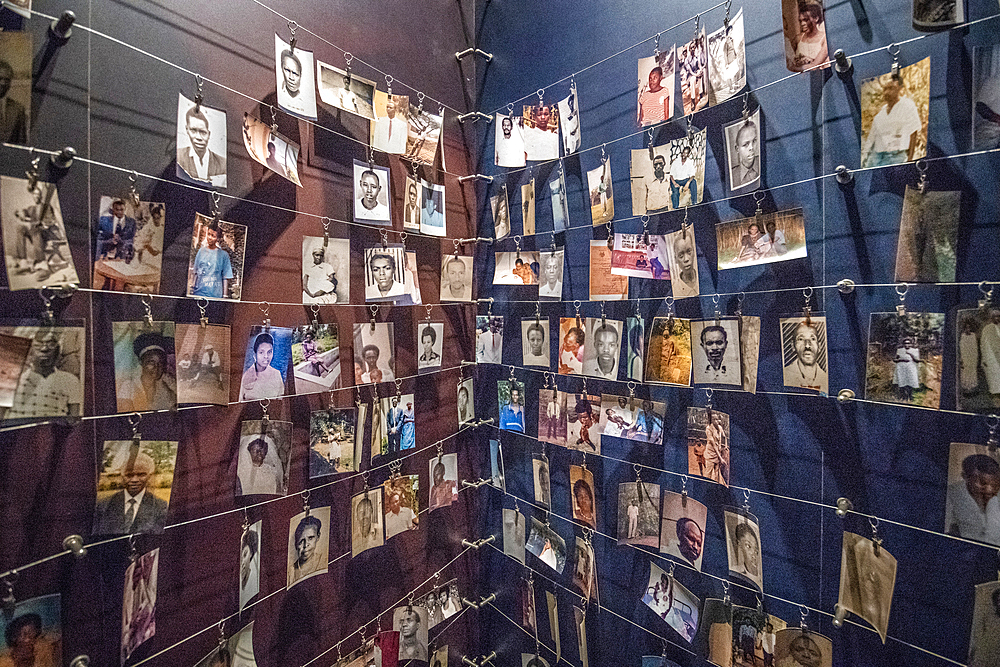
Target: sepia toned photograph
<point>316,358</point>
<point>639,514</point>
<point>466,403</point>
<point>584,423</point>
<point>546,545</point>
<point>804,353</point>
<point>402,509</point>
<point>50,382</point>
<point>928,236</point>
<point>374,356</point>
<point>580,620</point>
<point>749,351</point>
<point>509,141</point>
<point>743,152</point>
<point>905,355</point>
<point>13,355</point>
<point>867,581</point>
<point>682,529</point>
<point>249,563</point>
<point>398,428</point>
<point>129,246</point>
<point>423,135</point>
<point>673,603</point>
<point>528,620</point>
<point>345,90</point>
<point>430,345</point>
<point>656,88</point>
<point>334,442</point>
<point>202,363</point>
<point>560,204</point>
<point>516,268</point>
<point>139,602</point>
<point>513,534</point>
<point>634,257</point>
<point>326,270</point>
<point>602,200</point>
<point>528,207</point>
<point>761,239</point>
<point>668,357</point>
<point>569,114</point>
<point>552,416</point>
<point>716,355</point>
<point>456,278</point>
<point>35,627</point>
<point>265,364</point>
<point>692,67</point>
<point>271,149</point>
<point>432,214</point>
<point>215,268</point>
<point>984,637</point>
<point>743,547</point>
<point>727,60</point>
<point>933,15</point>
<point>972,506</point>
<point>263,459</point>
<point>308,544</point>
<point>133,486</point>
<point>683,256</point>
<point>715,635</point>
<point>603,285</point>
<point>489,339</point>
<point>511,397</point>
<point>978,360</point>
<point>804,24</point>
<point>985,97</point>
<point>635,348</point>
<point>411,622</point>
<point>542,482</point>
<point>201,143</point>
<point>708,444</point>
<point>367,527</point>
<point>296,88</point>
<point>444,481</point>
<point>535,344</point>
<point>581,484</point>
<point>500,208</point>
<point>16,55</point>
<point>34,239</point>
<point>145,369</point>
<point>802,647</point>
<point>371,193</point>
<point>894,111</point>
<point>550,284</point>
<point>585,570</point>
<point>753,636</point>
<point>540,128</point>
<point>389,129</point>
<point>601,356</point>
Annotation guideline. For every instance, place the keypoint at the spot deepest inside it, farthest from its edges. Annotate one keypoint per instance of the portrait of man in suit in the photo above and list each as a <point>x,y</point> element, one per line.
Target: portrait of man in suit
<point>116,233</point>
<point>134,507</point>
<point>196,161</point>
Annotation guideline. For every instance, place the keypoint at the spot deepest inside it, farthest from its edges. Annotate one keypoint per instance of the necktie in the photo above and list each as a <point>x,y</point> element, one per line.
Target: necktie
<point>130,513</point>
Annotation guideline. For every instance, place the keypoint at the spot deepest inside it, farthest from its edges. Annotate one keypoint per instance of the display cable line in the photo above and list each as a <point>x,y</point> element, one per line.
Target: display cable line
<point>244,510</point>
<point>202,78</point>
<point>403,234</point>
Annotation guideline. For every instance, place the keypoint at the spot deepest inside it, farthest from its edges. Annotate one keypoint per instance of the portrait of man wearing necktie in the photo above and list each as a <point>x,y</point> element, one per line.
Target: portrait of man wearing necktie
<point>134,508</point>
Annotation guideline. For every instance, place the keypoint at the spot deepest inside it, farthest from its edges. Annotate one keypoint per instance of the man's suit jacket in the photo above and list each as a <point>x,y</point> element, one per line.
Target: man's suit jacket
<point>106,228</point>
<point>216,164</point>
<point>14,123</point>
<point>150,516</point>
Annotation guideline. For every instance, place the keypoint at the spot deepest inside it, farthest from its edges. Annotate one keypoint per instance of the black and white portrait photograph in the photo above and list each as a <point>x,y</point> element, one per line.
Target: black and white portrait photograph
<point>308,544</point>
<point>16,55</point>
<point>672,602</point>
<point>639,513</point>
<point>402,507</point>
<point>546,545</point>
<point>133,486</point>
<point>509,141</point>
<point>541,132</point>
<point>367,516</point>
<point>412,623</point>
<point>727,60</point>
<point>552,416</point>
<point>430,345</point>
<point>656,87</point>
<point>444,481</point>
<point>249,563</point>
<point>374,354</point>
<point>35,628</point>
<point>978,360</point>
<point>569,114</point>
<point>804,23</point>
<point>797,647</point>
<point>761,239</point>
<point>599,187</point>
<point>384,275</point>
<point>743,152</point>
<point>985,97</point>
<point>345,90</point>
<point>584,423</point>
<point>432,209</point>
<point>501,214</point>
<point>466,403</point>
<point>139,602</point>
<point>749,351</point>
<point>972,506</point>
<point>266,364</point>
<point>528,207</point>
<point>326,270</point>
<point>456,278</point>
<point>894,115</point>
<point>423,135</point>
<point>804,353</point>
<point>603,350</point>
<point>334,442</point>
<point>535,343</point>
<point>692,67</point>
<point>13,356</point>
<point>293,69</point>
<point>202,363</point>
<point>49,383</point>
<point>682,254</point>
<point>263,459</point>
<point>412,204</point>
<point>543,484</point>
<point>905,357</point>
<point>145,370</point>
<point>513,534</point>
<point>708,444</point>
<point>550,282</point>
<point>201,143</point>
<point>316,358</point>
<point>984,638</point>
<point>35,246</point>
<point>933,15</point>
<point>867,581</point>
<point>271,149</point>
<point>715,351</point>
<point>581,484</point>
<point>389,129</point>
<point>516,268</point>
<point>635,258</point>
<point>928,236</point>
<point>215,266</point>
<point>743,546</point>
<point>371,193</point>
<point>489,339</point>
<point>682,529</point>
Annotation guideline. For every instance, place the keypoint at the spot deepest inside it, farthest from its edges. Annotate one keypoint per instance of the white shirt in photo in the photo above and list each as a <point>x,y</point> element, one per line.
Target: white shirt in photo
<point>682,169</point>
<point>890,131</point>
<point>380,212</point>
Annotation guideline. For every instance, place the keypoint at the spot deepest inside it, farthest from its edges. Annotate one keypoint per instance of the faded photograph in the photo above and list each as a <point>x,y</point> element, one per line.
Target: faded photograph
<point>569,114</point>
<point>316,358</point>
<point>552,416</point>
<point>633,256</point>
<point>263,459</point>
<point>16,55</point>
<point>584,423</point>
<point>334,442</point>
<point>201,143</point>
<point>978,355</point>
<point>345,90</point>
<point>271,149</point>
<point>986,97</point>
<point>541,132</point>
<point>933,15</point>
<point>501,214</point>
<point>727,60</point>
<point>804,353</point>
<point>389,129</point>
<point>894,111</point>
<point>682,530</point>
<point>513,534</point>
<point>796,646</point>
<point>202,363</point>
<point>603,285</point>
<point>296,88</point>
<point>546,544</point>
<point>215,268</point>
<point>50,383</point>
<point>133,486</point>
<point>489,339</point>
<point>585,570</point>
<point>36,249</point>
<point>761,239</point>
<point>972,506</point>
<point>249,563</point>
<point>560,206</point>
<point>639,514</point>
<point>708,444</point>
<point>516,268</point>
<point>749,351</point>
<point>367,527</point>
<point>139,602</point>
<point>528,208</point>
<point>308,544</point>
<point>129,246</point>
<point>656,88</point>
<point>635,348</point>
<point>13,355</point>
<point>402,509</point>
<point>905,355</point>
<point>535,344</point>
<point>984,637</point>
<point>496,465</point>
<point>411,622</point>
<point>716,356</point>
<point>867,581</point>
<point>743,546</point>
<point>456,278</point>
<point>550,284</point>
<point>326,270</point>
<point>509,141</point>
<point>374,354</point>
<point>601,356</point>
<point>145,370</point>
<point>423,136</point>
<point>602,200</point>
<point>743,157</point>
<point>692,65</point>
<point>673,603</point>
<point>682,253</point>
<point>804,24</point>
<point>668,357</point>
<point>928,236</point>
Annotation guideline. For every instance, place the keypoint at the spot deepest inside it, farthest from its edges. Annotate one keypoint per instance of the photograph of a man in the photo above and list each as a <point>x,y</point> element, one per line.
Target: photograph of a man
<point>133,489</point>
<point>388,132</point>
<point>371,193</point>
<point>569,112</point>
<point>894,116</point>
<point>383,274</point>
<point>36,250</point>
<point>115,232</point>
<point>456,278</point>
<point>308,544</point>
<point>15,86</point>
<point>602,353</point>
<point>412,623</point>
<point>215,269</point>
<point>201,143</point>
<point>683,260</point>
<point>743,151</point>
<point>551,284</point>
<point>795,647</point>
<point>432,213</point>
<point>293,69</point>
<point>366,521</point>
<point>51,381</point>
<point>682,531</point>
<point>716,357</point>
<point>803,344</point>
<point>508,141</point>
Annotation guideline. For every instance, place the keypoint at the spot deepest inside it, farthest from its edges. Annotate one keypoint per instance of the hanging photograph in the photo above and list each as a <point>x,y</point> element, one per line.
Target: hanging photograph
<point>129,246</point>
<point>933,15</point>
<point>444,481</point>
<point>867,581</point>
<point>804,24</point>
<point>133,486</point>
<point>749,351</point>
<point>905,355</point>
<point>683,258</point>
<point>580,619</point>
<point>513,534</point>
<point>546,545</point>
<point>466,403</point>
<point>708,444</point>
<point>308,544</point>
<point>456,278</point>
<point>552,605</point>
<point>16,52</point>
<point>13,355</point>
<point>656,87</point>
<point>35,626</point>
<point>585,570</point>
<point>639,513</point>
<point>326,270</point>
<point>633,257</point>
<point>201,143</point>
<point>535,347</point>
<point>139,602</point>
<point>334,442</point>
<point>673,603</point>
<point>263,460</point>
<point>602,200</point>
<point>682,531</point>
<point>509,141</point>
<point>978,360</point>
<point>423,135</point>
<point>668,359</point>
<point>496,466</point>
<point>430,344</point>
<point>202,363</point>
<point>972,506</point>
<point>541,132</point>
<point>581,483</point>
<point>432,215</point>
<point>984,647</point>
<point>603,285</point>
<point>985,97</point>
<point>648,423</point>
<point>501,214</point>
<point>727,61</point>
<point>265,365</point>
<point>657,661</point>
<point>584,423</point>
<point>717,632</point>
<point>743,152</point>
<point>215,268</point>
<point>489,339</point>
<point>560,205</point>
<point>50,382</point>
<point>533,660</point>
<point>668,177</point>
<point>552,416</point>
<point>528,620</point>
<point>805,647</point>
<point>542,483</point>
<point>511,401</point>
<point>367,529</point>
<point>145,372</point>
<point>528,208</point>
<point>402,511</point>
<point>294,72</point>
<point>412,205</point>
<point>371,193</point>
<point>399,428</point>
<point>34,239</point>
<point>620,414</point>
<point>716,357</point>
<point>569,113</point>
<point>928,236</point>
<point>316,358</point>
<point>411,622</point>
<point>388,131</point>
<point>692,64</point>
<point>550,284</point>
<point>894,116</point>
<point>601,356</point>
<point>384,279</point>
<point>345,90</point>
<point>516,268</point>
<point>271,149</point>
<point>249,563</point>
<point>761,239</point>
<point>804,353</point>
<point>743,547</point>
<point>374,354</point>
<point>635,348</point>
